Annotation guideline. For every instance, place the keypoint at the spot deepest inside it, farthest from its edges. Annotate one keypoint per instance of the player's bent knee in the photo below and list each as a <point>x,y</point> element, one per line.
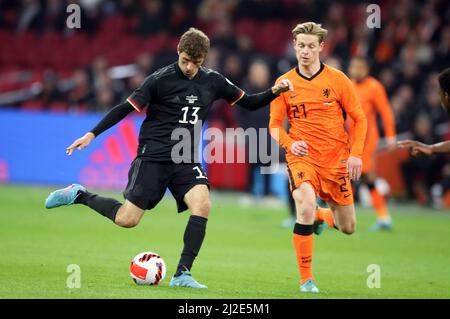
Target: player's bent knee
<point>124,220</point>
<point>348,228</point>
<point>126,223</point>
<point>202,208</point>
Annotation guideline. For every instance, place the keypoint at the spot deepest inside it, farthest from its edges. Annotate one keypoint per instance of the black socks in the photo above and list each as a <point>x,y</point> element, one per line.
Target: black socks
<point>193,239</point>
<point>107,207</point>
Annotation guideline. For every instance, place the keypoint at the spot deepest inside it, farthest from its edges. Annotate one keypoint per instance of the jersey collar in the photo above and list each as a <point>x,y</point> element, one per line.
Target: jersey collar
<point>313,76</point>
<point>180,73</point>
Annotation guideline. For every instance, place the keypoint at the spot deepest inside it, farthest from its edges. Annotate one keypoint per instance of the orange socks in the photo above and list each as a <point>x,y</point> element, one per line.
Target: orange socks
<point>325,215</point>
<point>303,240</point>
<point>379,204</point>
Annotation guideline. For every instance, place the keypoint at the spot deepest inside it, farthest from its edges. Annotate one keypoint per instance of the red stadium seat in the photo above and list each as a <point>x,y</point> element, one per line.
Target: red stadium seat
<point>247,27</point>
<point>272,37</point>
<point>59,107</point>
<point>33,105</point>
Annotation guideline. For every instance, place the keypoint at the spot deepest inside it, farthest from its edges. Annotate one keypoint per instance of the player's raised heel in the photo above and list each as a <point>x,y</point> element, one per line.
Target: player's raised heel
<point>186,280</point>
<point>309,286</point>
<point>65,196</point>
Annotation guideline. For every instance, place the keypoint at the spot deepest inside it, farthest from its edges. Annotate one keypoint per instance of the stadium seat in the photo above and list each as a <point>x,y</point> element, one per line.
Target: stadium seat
<point>32,105</point>
<point>246,26</point>
<point>59,107</point>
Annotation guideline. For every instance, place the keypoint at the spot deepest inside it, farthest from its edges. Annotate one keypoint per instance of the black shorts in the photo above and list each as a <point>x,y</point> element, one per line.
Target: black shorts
<point>148,181</point>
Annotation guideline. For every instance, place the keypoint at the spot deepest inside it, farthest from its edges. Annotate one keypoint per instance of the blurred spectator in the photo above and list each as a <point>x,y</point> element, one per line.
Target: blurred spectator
<point>50,92</point>
<point>334,62</point>
<point>153,18</point>
<point>258,79</point>
<point>99,71</point>
<point>222,36</point>
<point>442,50</point>
<point>145,63</point>
<point>81,93</point>
<point>128,8</point>
<point>55,15</point>
<point>211,11</point>
<point>404,108</point>
<point>104,100</point>
<point>179,17</point>
<point>233,68</point>
<point>29,16</point>
<point>411,76</point>
<point>213,59</point>
<point>259,9</point>
<point>420,173</point>
<point>434,109</point>
<point>132,84</point>
<point>388,77</point>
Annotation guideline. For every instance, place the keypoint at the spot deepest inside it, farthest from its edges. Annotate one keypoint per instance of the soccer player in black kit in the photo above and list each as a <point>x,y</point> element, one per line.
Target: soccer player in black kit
<point>178,97</point>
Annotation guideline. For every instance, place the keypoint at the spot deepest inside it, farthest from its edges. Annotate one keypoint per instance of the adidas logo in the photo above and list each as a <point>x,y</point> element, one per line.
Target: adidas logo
<point>109,164</point>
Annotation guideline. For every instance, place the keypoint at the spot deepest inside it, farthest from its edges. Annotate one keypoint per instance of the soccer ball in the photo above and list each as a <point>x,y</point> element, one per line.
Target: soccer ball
<point>147,268</point>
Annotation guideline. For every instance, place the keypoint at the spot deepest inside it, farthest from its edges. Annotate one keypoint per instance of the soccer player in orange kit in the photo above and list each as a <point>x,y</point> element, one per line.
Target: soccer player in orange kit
<point>374,100</point>
<point>320,161</point>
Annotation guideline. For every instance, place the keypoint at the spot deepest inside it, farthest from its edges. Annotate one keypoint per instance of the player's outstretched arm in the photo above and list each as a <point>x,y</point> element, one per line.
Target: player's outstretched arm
<point>80,143</point>
<point>418,148</point>
<point>256,101</point>
<point>111,118</point>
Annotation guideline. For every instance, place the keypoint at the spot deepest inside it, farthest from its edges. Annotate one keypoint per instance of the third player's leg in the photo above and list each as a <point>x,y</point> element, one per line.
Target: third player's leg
<point>344,217</point>
<point>305,203</point>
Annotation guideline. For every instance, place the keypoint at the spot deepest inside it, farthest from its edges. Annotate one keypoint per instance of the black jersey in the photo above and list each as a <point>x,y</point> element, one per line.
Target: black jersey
<point>176,102</point>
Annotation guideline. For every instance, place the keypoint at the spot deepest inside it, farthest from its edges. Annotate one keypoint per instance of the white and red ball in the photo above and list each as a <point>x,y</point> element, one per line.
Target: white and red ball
<point>147,268</point>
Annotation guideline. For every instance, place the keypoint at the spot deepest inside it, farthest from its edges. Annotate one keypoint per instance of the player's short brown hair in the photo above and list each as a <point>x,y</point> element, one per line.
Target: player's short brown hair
<point>310,28</point>
<point>194,43</point>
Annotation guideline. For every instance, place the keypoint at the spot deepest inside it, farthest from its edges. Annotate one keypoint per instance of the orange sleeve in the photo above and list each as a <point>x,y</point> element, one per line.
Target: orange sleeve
<point>383,107</point>
<point>278,109</point>
<point>351,104</point>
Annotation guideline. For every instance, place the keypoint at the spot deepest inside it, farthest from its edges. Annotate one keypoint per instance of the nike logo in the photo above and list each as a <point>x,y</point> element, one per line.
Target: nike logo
<point>345,196</point>
<point>293,96</point>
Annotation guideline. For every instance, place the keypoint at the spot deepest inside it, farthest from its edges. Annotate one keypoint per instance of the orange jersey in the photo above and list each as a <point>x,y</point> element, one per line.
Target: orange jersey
<point>374,100</point>
<point>315,110</point>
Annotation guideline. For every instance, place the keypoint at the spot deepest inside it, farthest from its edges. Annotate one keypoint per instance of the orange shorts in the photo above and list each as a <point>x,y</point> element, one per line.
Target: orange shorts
<point>331,185</point>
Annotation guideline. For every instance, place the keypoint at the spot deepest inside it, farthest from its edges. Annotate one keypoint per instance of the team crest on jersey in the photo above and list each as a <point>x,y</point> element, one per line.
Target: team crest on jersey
<point>191,98</point>
<point>326,92</point>
<point>300,175</point>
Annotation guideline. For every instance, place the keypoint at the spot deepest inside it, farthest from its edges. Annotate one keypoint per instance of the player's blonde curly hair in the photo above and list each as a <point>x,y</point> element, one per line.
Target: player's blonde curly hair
<point>310,28</point>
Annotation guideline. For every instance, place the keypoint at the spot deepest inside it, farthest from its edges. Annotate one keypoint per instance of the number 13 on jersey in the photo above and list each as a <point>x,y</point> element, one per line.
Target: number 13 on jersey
<point>194,115</point>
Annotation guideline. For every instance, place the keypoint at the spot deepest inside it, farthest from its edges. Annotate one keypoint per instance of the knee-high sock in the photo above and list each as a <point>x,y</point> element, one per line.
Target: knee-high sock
<point>378,203</point>
<point>107,207</point>
<point>193,239</point>
<point>303,239</point>
<point>325,215</point>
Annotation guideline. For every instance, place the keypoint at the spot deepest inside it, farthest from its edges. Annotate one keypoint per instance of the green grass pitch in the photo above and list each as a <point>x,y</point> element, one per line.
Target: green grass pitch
<point>246,253</point>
